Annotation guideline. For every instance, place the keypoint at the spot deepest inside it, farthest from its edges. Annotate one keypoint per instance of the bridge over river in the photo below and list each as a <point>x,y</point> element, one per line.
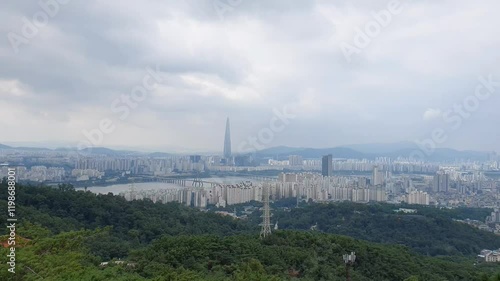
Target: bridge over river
<point>202,182</point>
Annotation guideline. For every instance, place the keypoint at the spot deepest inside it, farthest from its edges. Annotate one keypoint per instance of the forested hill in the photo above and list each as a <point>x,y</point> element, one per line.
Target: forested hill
<point>430,231</point>
<point>285,255</point>
<point>71,232</point>
<point>64,209</point>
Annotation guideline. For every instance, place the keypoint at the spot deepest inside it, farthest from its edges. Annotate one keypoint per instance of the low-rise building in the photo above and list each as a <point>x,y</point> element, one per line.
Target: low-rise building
<point>490,255</point>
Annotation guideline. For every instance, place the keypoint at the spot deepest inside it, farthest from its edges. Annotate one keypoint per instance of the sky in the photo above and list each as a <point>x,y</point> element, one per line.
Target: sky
<point>165,75</point>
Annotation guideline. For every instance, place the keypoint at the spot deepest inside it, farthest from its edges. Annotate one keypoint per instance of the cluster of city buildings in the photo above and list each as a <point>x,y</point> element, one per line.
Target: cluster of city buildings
<point>383,179</point>
<point>52,174</point>
<point>313,186</point>
<point>450,185</point>
<point>168,165</point>
<point>398,165</point>
<point>220,195</point>
<point>36,173</point>
<point>86,174</point>
<point>154,166</point>
<point>303,186</point>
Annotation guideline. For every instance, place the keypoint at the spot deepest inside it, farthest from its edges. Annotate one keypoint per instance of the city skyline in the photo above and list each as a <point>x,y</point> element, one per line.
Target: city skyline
<point>419,149</point>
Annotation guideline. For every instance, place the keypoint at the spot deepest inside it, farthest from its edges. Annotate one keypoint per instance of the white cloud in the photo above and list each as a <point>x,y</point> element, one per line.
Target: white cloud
<point>431,114</point>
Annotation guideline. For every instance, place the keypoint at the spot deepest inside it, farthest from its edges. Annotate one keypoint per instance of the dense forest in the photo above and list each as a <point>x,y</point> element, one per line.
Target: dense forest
<point>133,223</point>
<point>72,232</point>
<point>430,231</point>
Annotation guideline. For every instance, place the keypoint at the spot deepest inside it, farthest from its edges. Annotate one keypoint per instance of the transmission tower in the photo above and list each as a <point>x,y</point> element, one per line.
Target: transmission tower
<point>266,214</point>
<point>133,193</point>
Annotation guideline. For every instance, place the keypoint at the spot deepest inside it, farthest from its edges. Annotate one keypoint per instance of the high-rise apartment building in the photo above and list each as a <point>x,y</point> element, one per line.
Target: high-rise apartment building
<point>327,165</point>
<point>195,158</point>
<point>441,182</point>
<point>377,176</point>
<point>417,197</point>
<point>295,160</point>
<point>494,217</point>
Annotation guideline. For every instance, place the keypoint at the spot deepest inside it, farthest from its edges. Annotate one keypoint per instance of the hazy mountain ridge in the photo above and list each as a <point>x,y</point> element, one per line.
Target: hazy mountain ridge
<point>358,151</point>
<point>439,154</point>
<point>3,146</point>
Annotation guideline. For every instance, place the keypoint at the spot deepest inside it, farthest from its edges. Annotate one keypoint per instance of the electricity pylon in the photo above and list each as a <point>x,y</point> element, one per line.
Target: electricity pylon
<point>266,214</point>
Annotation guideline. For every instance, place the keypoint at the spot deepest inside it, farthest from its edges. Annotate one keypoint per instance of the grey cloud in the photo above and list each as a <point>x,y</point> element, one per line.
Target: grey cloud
<point>262,55</point>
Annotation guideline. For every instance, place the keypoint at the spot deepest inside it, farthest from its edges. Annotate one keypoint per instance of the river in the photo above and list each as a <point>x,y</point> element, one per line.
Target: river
<point>117,188</point>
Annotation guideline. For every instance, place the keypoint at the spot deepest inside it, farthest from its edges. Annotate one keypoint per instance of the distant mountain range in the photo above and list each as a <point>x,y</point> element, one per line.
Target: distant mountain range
<point>358,151</point>
<point>371,151</point>
<point>87,151</point>
<point>3,146</point>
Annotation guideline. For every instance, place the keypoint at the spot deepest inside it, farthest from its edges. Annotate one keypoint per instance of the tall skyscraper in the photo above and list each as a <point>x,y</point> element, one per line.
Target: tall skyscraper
<point>227,141</point>
<point>326,166</point>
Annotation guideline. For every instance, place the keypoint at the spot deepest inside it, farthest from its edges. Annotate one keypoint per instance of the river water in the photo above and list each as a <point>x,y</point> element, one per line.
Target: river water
<point>117,188</point>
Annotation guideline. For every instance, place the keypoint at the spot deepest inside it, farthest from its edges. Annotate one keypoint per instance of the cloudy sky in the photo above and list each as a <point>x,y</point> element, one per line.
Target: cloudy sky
<point>348,72</point>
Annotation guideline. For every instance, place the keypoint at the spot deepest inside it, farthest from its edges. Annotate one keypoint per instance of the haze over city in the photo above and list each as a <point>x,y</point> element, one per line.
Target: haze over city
<point>245,61</point>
